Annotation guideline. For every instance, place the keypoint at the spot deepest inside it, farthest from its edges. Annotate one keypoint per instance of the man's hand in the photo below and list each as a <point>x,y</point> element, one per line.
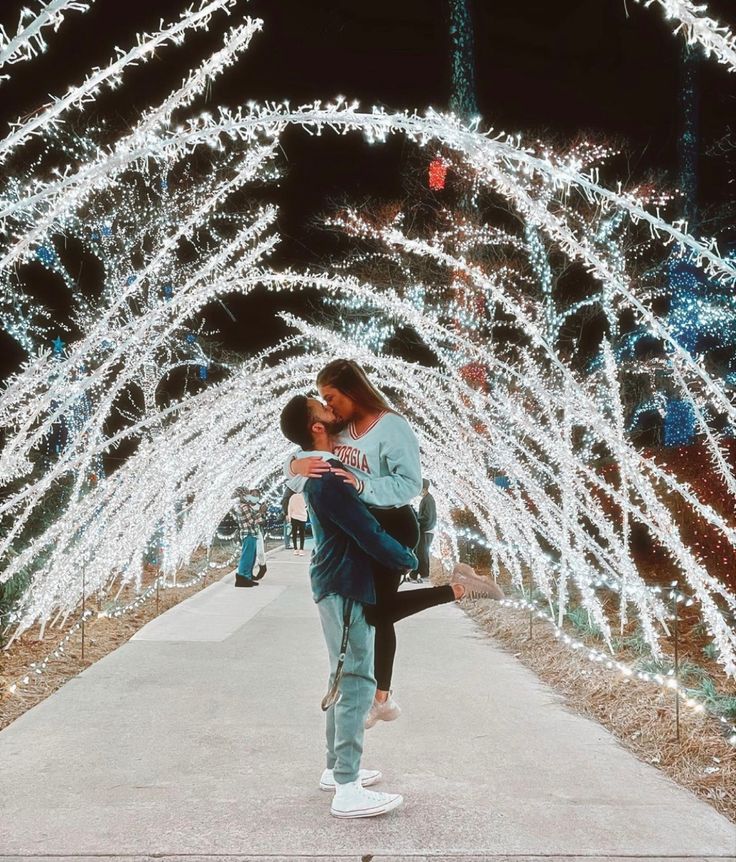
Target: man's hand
<point>313,467</point>
<point>347,477</point>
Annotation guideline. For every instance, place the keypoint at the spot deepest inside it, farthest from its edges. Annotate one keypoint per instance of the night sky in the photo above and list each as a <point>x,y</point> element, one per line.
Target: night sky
<point>551,68</point>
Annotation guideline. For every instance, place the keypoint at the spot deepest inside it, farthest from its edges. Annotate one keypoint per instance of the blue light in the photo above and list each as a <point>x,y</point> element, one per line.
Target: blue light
<point>46,254</point>
<point>679,423</point>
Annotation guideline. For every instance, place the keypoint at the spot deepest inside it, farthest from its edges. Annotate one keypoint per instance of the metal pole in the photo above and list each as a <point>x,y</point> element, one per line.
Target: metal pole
<point>677,667</point>
<point>84,606</point>
<point>531,608</point>
<point>158,585</point>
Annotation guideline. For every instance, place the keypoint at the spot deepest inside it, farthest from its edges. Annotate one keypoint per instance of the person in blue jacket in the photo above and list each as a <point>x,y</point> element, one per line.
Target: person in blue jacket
<point>349,542</point>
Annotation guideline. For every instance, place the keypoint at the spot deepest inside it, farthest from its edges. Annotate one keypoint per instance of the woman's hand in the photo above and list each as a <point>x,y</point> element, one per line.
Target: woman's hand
<point>313,467</point>
<point>347,476</point>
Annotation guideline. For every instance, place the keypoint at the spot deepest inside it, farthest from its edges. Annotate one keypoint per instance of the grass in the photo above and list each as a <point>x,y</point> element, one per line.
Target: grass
<point>580,620</point>
<point>634,642</point>
<point>717,703</point>
<point>688,671</point>
<point>10,594</point>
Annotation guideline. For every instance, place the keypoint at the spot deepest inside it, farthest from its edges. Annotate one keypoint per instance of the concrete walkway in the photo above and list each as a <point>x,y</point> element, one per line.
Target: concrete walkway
<point>201,739</point>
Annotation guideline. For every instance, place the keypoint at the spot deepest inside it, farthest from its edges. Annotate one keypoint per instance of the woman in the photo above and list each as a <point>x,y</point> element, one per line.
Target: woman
<point>381,452</point>
<point>298,518</point>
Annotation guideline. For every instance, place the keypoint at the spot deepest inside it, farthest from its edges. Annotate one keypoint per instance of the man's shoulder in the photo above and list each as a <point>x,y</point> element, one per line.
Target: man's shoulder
<point>327,483</point>
<point>329,486</point>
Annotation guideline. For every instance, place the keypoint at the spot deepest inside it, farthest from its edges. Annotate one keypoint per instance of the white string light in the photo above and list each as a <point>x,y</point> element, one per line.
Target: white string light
<point>111,75</point>
<point>29,40</point>
<point>607,662</point>
<point>700,29</point>
<point>36,669</point>
<point>175,487</point>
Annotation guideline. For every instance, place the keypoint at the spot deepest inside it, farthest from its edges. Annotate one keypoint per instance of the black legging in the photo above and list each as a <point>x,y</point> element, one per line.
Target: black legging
<point>392,606</point>
<point>297,530</point>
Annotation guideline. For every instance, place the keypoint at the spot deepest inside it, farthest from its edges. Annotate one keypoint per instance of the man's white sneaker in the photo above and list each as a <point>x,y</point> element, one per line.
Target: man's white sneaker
<point>367,777</point>
<point>389,710</point>
<point>353,800</point>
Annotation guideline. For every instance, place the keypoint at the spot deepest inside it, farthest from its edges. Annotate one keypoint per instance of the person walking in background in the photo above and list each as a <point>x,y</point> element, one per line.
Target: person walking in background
<point>251,516</point>
<point>298,518</point>
<point>427,526</point>
<point>260,554</point>
<point>285,512</point>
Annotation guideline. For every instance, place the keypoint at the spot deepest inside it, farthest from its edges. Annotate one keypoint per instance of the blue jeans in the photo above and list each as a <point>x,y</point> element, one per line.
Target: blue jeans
<point>346,719</point>
<point>248,557</point>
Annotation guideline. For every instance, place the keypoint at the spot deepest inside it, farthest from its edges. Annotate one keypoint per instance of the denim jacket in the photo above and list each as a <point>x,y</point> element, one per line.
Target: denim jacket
<point>348,539</point>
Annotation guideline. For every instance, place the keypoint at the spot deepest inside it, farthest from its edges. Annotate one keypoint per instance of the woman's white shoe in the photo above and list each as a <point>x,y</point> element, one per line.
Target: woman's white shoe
<point>387,710</point>
<point>367,777</point>
<point>474,585</point>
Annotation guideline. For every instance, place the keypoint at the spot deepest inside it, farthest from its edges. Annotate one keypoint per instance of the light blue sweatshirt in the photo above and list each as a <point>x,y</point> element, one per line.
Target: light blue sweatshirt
<point>385,458</point>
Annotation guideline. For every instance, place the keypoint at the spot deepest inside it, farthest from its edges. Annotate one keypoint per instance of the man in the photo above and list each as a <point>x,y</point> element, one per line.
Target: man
<point>427,526</point>
<point>347,541</point>
<point>251,519</point>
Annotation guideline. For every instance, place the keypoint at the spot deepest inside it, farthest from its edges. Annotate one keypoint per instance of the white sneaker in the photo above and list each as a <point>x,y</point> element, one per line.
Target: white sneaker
<point>389,710</point>
<point>296,553</point>
<point>353,800</point>
<point>367,777</point>
<point>301,553</point>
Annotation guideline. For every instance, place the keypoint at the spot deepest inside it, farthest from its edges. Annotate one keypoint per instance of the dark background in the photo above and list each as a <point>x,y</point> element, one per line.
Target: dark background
<point>552,68</point>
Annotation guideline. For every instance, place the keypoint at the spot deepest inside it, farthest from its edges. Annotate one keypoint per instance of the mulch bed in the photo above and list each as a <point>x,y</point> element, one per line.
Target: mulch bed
<point>103,635</point>
<point>642,715</point>
<point>639,714</point>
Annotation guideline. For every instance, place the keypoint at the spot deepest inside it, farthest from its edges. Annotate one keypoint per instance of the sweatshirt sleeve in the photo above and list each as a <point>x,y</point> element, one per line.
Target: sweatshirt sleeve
<point>404,482</point>
<point>294,481</point>
<point>339,502</point>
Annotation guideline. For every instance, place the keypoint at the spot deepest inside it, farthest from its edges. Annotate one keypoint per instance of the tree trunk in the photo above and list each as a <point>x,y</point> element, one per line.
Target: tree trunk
<point>463,100</point>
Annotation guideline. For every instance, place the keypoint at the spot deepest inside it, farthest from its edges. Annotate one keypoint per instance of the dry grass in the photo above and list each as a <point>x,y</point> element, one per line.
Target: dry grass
<point>640,715</point>
<point>103,635</point>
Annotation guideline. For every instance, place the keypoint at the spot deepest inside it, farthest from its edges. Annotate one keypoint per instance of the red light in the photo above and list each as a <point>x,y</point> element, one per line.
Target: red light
<point>437,174</point>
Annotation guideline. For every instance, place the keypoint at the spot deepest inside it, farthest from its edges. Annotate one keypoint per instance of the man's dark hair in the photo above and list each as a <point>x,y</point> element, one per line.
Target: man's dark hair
<point>296,421</point>
<point>425,484</point>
